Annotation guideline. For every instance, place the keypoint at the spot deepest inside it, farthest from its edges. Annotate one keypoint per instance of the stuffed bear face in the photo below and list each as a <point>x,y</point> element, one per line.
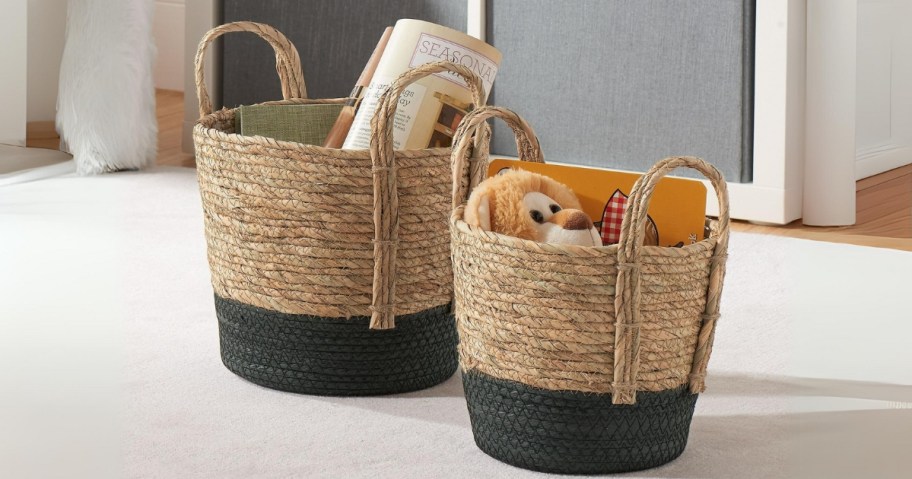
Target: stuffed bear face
<point>553,223</point>
<point>530,206</point>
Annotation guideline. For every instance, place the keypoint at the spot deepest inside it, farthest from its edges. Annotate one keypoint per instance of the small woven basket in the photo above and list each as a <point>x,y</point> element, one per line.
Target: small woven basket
<point>331,268</point>
<point>583,359</point>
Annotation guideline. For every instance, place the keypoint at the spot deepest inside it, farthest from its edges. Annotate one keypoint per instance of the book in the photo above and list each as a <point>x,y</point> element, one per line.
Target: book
<point>677,211</point>
<point>429,108</point>
<point>308,124</point>
<point>343,124</point>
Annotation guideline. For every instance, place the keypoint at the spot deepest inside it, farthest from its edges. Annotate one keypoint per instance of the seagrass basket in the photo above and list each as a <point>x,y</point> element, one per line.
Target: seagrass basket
<point>583,359</point>
<point>331,268</point>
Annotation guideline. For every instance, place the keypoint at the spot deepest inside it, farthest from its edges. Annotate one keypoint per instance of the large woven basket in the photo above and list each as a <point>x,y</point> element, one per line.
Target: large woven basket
<point>331,268</point>
<point>584,359</point>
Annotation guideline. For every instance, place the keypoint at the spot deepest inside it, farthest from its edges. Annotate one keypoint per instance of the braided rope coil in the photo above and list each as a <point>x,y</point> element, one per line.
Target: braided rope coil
<point>613,319</point>
<point>303,229</point>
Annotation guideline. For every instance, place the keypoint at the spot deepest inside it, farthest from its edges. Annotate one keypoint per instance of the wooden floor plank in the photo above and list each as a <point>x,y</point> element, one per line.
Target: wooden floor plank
<point>169,107</point>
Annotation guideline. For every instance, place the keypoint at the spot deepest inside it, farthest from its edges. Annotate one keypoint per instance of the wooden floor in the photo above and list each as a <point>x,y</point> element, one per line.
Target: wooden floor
<point>883,215</point>
<point>169,105</point>
<point>884,202</point>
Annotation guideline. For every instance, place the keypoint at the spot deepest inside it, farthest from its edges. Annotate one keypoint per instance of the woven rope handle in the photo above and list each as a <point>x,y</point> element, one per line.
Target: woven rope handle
<point>526,145</point>
<point>627,294</point>
<point>386,196</point>
<point>288,63</point>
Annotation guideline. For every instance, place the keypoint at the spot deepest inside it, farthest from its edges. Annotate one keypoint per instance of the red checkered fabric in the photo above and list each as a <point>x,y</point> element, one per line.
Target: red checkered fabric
<point>612,217</point>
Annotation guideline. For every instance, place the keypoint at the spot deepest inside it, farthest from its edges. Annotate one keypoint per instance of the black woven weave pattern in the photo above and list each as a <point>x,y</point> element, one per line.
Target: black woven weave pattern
<point>336,357</point>
<point>571,432</point>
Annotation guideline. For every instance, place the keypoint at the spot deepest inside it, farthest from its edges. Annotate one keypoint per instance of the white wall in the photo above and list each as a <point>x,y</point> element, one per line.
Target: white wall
<point>201,16</point>
<point>168,29</point>
<point>828,197</point>
<point>859,101</point>
<point>884,88</point>
<point>46,33</point>
<point>13,73</point>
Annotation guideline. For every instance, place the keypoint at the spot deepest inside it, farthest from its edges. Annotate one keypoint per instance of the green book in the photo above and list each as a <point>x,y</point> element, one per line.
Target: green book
<point>308,124</point>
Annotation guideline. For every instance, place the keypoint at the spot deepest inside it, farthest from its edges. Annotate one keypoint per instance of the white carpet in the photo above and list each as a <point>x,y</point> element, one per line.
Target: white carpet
<point>109,360</point>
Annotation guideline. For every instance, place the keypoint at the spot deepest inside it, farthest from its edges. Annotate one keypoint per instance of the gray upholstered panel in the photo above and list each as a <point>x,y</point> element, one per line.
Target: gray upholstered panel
<point>334,38</point>
<point>622,83</point>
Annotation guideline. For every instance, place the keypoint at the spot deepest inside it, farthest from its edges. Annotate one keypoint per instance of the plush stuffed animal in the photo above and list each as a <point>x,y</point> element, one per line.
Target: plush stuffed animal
<point>530,206</point>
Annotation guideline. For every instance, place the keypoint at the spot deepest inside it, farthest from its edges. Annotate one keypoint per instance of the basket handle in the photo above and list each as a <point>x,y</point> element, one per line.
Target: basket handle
<point>526,145</point>
<point>386,196</point>
<point>288,63</point>
<point>627,294</point>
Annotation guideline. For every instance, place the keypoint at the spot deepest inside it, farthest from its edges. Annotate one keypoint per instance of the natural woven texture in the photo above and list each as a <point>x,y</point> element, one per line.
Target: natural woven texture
<point>570,432</point>
<point>308,124</point>
<point>325,356</point>
<point>613,319</point>
<point>308,230</point>
<point>288,63</point>
<point>477,166</point>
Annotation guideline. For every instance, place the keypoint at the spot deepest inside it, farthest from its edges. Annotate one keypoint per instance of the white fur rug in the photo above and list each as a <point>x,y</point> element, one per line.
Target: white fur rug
<point>106,98</point>
<point>110,367</point>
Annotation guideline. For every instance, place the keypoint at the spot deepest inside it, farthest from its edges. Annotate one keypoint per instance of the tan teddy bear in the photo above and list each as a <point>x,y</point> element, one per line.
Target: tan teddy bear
<point>530,206</point>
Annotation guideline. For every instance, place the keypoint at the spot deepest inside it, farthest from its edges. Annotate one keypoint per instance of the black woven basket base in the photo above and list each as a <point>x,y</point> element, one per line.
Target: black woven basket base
<point>570,432</point>
<point>333,356</point>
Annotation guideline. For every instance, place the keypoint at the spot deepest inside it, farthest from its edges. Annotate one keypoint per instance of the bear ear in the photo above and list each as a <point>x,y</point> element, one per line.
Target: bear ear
<point>478,209</point>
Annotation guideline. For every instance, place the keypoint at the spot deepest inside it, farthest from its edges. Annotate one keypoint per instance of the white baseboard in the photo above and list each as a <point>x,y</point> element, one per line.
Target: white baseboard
<point>22,164</point>
<point>873,161</point>
<point>168,29</point>
<point>751,202</point>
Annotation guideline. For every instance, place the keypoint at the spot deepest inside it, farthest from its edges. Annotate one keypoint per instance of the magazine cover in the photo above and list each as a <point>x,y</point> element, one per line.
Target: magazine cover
<point>431,108</point>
